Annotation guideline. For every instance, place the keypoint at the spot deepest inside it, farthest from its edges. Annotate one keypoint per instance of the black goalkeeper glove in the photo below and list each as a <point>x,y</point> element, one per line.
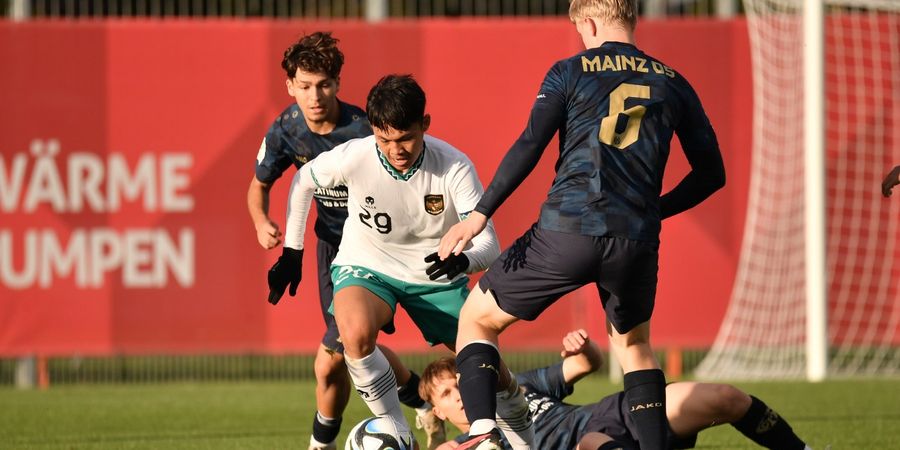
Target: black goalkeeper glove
<point>287,270</point>
<point>452,266</point>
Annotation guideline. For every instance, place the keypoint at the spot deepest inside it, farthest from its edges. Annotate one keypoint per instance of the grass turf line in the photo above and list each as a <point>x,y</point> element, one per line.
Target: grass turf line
<point>267,415</point>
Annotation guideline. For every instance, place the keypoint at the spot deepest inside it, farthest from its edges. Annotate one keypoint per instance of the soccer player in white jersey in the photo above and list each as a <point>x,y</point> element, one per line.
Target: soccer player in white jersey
<point>406,189</point>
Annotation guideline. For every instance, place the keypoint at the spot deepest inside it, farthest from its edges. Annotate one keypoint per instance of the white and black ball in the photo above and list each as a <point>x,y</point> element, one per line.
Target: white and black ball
<point>374,433</point>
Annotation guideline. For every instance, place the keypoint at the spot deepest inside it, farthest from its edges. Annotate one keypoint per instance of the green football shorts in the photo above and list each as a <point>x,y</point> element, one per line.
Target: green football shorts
<point>433,308</point>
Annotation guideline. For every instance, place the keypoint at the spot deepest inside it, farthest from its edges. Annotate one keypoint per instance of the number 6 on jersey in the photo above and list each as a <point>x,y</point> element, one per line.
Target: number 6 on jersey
<point>610,133</point>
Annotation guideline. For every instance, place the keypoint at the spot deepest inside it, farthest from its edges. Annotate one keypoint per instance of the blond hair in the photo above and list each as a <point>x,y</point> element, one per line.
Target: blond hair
<point>612,12</point>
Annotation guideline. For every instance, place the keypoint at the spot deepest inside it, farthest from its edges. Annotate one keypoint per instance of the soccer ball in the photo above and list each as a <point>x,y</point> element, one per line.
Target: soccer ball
<point>375,433</point>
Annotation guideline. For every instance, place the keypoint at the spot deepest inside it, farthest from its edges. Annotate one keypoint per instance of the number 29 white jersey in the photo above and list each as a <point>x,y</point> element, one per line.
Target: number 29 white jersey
<point>396,220</point>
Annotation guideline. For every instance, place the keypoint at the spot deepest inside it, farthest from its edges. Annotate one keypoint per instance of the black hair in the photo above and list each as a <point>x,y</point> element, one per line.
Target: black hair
<point>396,101</point>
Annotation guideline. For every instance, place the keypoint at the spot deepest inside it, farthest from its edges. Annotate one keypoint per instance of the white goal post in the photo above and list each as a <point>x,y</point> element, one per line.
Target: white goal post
<point>817,292</point>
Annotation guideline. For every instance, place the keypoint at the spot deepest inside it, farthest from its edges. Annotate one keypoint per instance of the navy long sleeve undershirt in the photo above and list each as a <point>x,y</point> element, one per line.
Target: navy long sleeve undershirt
<point>521,158</point>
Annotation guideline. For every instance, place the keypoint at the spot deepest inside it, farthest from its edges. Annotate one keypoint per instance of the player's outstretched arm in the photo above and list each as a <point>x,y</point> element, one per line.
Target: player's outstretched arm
<point>547,115</point>
<point>288,270</point>
<point>459,235</point>
<point>890,180</point>
<point>582,356</point>
<point>267,233</point>
<point>485,249</point>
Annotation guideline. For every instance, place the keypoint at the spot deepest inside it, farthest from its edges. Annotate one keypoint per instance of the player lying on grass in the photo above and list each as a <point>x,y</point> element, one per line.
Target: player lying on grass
<point>606,425</point>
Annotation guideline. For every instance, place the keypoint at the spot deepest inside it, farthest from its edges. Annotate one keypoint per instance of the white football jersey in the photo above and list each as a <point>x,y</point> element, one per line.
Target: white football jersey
<point>396,220</point>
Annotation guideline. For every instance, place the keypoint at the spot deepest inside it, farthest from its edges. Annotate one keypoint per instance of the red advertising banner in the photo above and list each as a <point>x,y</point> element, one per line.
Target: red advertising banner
<point>126,151</point>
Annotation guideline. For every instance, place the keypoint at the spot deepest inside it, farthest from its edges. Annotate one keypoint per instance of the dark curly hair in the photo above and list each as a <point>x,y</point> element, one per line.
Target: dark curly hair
<point>314,53</point>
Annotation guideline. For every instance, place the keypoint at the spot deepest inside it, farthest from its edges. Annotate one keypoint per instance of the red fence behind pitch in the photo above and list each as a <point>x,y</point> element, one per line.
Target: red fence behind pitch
<point>127,149</point>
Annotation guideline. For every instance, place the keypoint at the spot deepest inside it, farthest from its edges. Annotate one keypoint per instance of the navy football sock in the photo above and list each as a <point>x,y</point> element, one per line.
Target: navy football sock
<point>325,430</point>
<point>477,364</point>
<point>409,392</point>
<point>645,394</point>
<point>765,427</point>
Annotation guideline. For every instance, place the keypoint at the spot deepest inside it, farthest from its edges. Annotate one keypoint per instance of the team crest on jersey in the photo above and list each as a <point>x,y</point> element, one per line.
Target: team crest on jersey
<point>434,204</point>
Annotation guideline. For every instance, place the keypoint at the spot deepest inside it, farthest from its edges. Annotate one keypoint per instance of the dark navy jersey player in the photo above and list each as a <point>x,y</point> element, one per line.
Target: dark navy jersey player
<point>616,110</point>
<point>291,142</point>
<point>316,122</point>
<point>614,144</point>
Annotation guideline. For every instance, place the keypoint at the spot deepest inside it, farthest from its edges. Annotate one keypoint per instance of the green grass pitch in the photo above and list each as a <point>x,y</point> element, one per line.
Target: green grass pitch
<point>275,415</point>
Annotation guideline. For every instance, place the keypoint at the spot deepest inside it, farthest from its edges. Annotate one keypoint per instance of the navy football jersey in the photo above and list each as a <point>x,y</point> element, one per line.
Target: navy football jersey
<point>615,109</point>
<point>290,142</point>
<point>557,425</point>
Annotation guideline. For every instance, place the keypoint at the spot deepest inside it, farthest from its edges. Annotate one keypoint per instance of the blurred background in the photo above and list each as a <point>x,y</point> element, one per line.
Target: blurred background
<point>129,131</point>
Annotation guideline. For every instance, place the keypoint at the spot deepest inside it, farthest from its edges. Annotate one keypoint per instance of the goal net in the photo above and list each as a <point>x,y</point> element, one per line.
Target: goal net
<point>763,334</point>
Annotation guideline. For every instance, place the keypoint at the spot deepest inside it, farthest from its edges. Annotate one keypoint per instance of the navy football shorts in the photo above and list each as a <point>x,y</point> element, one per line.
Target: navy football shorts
<point>325,254</point>
<point>610,416</point>
<point>543,265</point>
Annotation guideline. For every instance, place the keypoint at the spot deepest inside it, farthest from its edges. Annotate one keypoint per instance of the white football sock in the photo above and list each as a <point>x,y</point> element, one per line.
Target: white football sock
<point>377,385</point>
<point>513,417</point>
<point>482,426</point>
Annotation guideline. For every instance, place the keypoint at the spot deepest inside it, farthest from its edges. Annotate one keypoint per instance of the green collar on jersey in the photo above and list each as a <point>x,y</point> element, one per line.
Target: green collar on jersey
<point>396,173</point>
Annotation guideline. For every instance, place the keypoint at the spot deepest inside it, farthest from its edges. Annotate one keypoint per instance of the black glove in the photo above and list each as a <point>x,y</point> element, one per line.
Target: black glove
<point>288,269</point>
<point>452,266</point>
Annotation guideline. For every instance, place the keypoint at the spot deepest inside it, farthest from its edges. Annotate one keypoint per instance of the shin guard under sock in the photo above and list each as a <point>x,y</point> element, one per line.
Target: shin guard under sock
<point>478,364</point>
<point>645,394</point>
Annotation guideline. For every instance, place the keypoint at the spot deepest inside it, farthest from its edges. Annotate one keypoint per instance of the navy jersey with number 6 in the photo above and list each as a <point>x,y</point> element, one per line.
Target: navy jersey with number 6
<point>616,110</point>
<point>289,141</point>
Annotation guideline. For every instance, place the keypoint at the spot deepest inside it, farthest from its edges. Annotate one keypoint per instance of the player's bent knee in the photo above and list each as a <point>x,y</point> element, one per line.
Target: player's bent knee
<point>358,337</point>
<point>732,403</point>
<point>360,345</point>
<point>329,367</point>
<point>592,441</point>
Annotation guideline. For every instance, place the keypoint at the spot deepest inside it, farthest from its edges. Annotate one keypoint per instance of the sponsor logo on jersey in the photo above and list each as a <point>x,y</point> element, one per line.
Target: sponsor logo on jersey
<point>434,204</point>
